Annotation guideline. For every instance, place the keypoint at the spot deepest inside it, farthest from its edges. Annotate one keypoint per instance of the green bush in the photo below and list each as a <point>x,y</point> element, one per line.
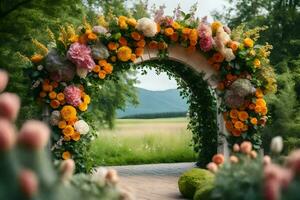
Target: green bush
<point>193,180</point>
<point>290,144</point>
<point>204,192</point>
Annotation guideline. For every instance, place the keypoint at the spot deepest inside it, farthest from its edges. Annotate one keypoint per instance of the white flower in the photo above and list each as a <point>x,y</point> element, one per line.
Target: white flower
<point>40,67</point>
<point>55,118</point>
<point>82,72</point>
<point>277,144</point>
<point>82,127</point>
<point>99,176</point>
<point>99,29</point>
<point>147,26</point>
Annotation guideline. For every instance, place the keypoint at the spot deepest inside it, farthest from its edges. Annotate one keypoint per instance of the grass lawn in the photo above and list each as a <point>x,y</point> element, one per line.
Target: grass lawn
<point>142,141</point>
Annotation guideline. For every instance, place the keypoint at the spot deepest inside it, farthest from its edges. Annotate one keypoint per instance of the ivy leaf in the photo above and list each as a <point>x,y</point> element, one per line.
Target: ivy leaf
<point>187,17</point>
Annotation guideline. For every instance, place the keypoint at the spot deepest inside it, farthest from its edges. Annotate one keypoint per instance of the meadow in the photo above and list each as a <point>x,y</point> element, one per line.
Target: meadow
<point>143,141</point>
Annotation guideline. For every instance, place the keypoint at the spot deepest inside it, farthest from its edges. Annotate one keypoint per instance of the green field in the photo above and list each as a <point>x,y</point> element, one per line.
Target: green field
<point>142,141</point>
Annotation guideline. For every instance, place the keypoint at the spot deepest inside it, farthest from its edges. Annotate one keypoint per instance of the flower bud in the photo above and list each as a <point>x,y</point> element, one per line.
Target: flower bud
<point>246,147</point>
<point>9,106</point>
<point>277,144</point>
<point>236,148</point>
<point>112,176</point>
<point>34,135</point>
<point>267,160</point>
<point>3,79</point>
<point>7,135</point>
<point>234,159</point>
<point>28,183</point>
<point>218,159</point>
<point>253,154</point>
<point>212,167</point>
<point>67,168</point>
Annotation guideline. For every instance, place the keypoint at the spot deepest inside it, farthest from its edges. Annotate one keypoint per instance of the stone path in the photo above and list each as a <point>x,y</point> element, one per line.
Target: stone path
<point>154,181</point>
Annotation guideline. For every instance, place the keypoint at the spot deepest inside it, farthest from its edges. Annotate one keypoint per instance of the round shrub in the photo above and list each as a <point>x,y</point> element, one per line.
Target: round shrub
<point>204,192</point>
<point>193,180</point>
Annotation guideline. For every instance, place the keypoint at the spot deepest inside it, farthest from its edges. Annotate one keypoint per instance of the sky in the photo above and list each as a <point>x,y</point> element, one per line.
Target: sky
<point>155,82</point>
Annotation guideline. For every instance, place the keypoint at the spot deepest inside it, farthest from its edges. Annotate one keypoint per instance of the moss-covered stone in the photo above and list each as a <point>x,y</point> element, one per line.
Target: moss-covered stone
<point>193,180</point>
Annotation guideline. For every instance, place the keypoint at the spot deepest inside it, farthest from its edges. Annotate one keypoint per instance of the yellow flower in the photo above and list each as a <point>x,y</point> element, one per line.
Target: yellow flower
<point>124,53</point>
<point>68,113</point>
<point>62,124</point>
<point>68,130</point>
<point>215,26</point>
<point>36,58</point>
<point>252,52</point>
<point>83,106</point>
<point>175,25</point>
<point>76,136</point>
<point>92,36</point>
<point>74,38</point>
<point>253,121</point>
<point>248,42</point>
<point>60,96</point>
<point>256,63</point>
<point>86,99</point>
<point>261,102</point>
<point>66,155</point>
<point>131,22</point>
<point>169,31</point>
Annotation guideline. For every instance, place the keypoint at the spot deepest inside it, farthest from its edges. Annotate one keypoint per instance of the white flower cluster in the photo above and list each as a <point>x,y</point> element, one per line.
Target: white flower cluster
<point>147,26</point>
<point>55,118</point>
<point>82,127</point>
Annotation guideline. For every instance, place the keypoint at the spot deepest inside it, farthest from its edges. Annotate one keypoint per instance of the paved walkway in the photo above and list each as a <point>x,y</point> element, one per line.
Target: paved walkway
<point>154,181</point>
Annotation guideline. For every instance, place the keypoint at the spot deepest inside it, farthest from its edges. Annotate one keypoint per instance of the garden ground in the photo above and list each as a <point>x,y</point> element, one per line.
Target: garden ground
<point>143,141</point>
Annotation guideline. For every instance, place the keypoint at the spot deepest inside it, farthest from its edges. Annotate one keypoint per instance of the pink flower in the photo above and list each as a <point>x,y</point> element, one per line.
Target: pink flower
<point>212,167</point>
<point>9,106</point>
<point>80,55</point>
<point>293,161</point>
<point>205,34</point>
<point>73,95</point>
<point>206,43</point>
<point>3,80</point>
<point>246,147</point>
<point>34,135</point>
<point>7,135</point>
<point>28,183</point>
<point>67,168</point>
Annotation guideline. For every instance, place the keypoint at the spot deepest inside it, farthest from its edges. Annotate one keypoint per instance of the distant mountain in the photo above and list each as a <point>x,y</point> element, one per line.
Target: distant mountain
<point>155,102</point>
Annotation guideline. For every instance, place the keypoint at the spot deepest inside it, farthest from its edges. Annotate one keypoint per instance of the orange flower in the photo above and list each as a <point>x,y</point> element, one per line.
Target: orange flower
<point>264,110</point>
<point>133,57</point>
<point>36,58</point>
<point>234,113</point>
<point>236,133</point>
<point>238,125</point>
<point>193,42</point>
<point>47,87</point>
<point>96,69</point>
<point>136,36</point>
<point>102,74</point>
<point>218,57</point>
<point>113,59</point>
<point>229,126</point>
<point>87,99</point>
<point>92,36</point>
<point>108,68</point>
<point>175,37</point>
<point>113,46</point>
<point>248,42</point>
<point>193,36</point>
<point>62,124</point>
<point>68,130</point>
<point>83,106</point>
<point>221,86</point>
<point>43,94</point>
<point>68,113</point>
<point>252,106</point>
<point>76,136</point>
<point>253,121</point>
<point>243,115</point>
<point>186,31</point>
<point>141,43</point>
<point>67,138</point>
<point>102,63</point>
<point>54,84</point>
<point>131,22</point>
<point>256,63</point>
<point>162,45</point>
<point>175,25</point>
<point>83,39</point>
<point>218,159</point>
<point>261,102</point>
<point>54,104</point>
<point>123,41</point>
<point>158,27</point>
<point>258,109</point>
<point>215,26</point>
<point>259,93</point>
<point>169,31</point>
<point>52,95</point>
<point>234,45</point>
<point>245,128</point>
<point>66,155</point>
<point>124,53</point>
<point>153,45</point>
<point>139,52</point>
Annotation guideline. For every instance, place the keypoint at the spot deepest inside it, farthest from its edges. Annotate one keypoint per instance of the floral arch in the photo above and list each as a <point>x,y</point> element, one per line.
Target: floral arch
<point>236,70</point>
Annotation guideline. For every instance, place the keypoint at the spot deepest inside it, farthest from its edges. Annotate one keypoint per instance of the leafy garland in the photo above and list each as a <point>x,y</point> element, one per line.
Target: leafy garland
<point>63,72</point>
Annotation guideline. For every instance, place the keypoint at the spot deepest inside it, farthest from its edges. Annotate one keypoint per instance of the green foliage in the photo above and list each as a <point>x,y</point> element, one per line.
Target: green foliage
<point>204,193</point>
<point>290,144</point>
<point>195,180</point>
<point>136,142</point>
<point>234,182</point>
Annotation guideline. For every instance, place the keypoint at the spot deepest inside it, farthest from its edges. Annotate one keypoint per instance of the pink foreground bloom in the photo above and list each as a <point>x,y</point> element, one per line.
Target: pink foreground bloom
<point>29,183</point>
<point>7,135</point>
<point>3,80</point>
<point>9,106</point>
<point>80,55</point>
<point>73,95</point>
